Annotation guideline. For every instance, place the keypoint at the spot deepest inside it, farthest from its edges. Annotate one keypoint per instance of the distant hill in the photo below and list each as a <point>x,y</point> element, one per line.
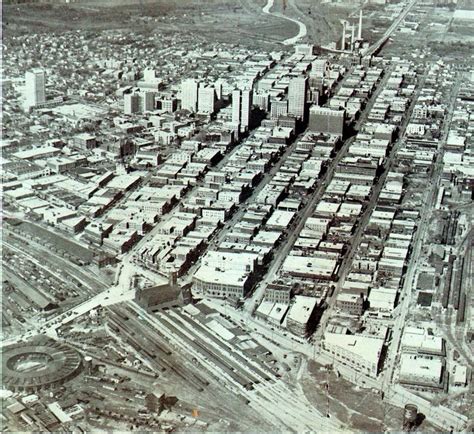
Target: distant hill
<point>112,3</point>
<point>91,2</point>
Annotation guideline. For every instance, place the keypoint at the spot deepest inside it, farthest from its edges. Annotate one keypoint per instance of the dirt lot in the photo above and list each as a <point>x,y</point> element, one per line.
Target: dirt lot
<point>358,409</point>
<point>439,35</point>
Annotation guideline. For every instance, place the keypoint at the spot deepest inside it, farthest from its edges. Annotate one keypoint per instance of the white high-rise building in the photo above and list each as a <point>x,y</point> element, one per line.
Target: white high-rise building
<point>297,97</point>
<point>236,102</point>
<point>319,67</point>
<point>262,100</point>
<point>241,107</point>
<point>219,86</point>
<point>34,87</point>
<point>246,107</point>
<point>131,103</point>
<point>189,94</point>
<point>149,74</point>
<point>206,99</point>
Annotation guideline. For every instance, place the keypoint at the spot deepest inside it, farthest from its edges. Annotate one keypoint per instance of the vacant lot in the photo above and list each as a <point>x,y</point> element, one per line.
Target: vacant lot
<point>361,410</point>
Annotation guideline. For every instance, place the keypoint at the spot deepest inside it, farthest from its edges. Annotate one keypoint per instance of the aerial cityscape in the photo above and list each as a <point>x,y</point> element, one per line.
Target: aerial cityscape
<point>237,216</point>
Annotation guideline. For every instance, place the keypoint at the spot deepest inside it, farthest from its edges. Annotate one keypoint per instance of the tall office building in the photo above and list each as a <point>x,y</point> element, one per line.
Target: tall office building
<point>206,99</point>
<point>297,97</point>
<point>278,108</point>
<point>236,102</point>
<point>319,67</point>
<point>147,101</point>
<point>34,87</point>
<point>314,96</point>
<point>189,94</point>
<point>168,104</point>
<point>219,86</point>
<point>241,107</point>
<point>149,74</point>
<point>261,100</point>
<point>131,103</point>
<point>246,107</point>
<point>326,120</point>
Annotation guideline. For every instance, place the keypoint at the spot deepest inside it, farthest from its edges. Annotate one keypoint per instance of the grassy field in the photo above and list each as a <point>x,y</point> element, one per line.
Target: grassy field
<point>113,13</point>
<point>240,21</point>
<point>322,20</point>
<point>39,18</point>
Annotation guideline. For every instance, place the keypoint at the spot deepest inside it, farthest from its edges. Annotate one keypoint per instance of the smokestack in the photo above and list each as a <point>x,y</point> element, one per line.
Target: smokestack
<point>360,26</point>
<point>343,43</point>
<point>352,37</point>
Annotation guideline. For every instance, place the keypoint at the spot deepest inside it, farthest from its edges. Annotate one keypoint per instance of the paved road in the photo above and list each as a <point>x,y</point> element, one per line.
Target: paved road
<point>282,253</point>
<point>399,322</point>
<point>374,48</point>
<point>300,220</point>
<point>302,27</point>
<point>442,416</point>
<point>241,208</point>
<point>448,319</point>
<point>49,326</point>
<point>347,260</point>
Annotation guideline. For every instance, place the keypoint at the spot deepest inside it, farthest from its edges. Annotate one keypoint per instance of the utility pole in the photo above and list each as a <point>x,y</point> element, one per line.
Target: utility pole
<point>327,391</point>
<point>384,412</point>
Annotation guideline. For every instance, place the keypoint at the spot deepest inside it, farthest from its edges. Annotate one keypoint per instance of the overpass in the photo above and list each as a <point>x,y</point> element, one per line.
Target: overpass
<point>375,47</point>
